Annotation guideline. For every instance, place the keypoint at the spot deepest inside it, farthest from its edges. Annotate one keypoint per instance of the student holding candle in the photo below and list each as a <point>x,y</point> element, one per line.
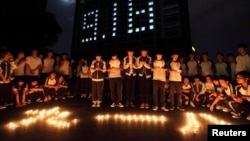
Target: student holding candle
<point>97,68</point>
<point>129,66</point>
<point>159,78</point>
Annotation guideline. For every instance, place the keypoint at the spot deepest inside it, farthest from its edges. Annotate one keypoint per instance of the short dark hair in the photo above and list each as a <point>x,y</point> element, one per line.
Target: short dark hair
<point>245,74</point>
<point>223,77</point>
<point>242,45</point>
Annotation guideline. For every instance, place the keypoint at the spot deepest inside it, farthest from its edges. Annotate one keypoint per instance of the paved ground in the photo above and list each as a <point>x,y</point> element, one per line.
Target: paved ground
<point>75,120</point>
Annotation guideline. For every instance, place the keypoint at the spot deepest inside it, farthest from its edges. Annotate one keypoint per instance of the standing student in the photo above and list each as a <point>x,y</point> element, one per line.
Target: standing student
<point>221,67</point>
<point>115,81</point>
<point>33,66</point>
<point>129,66</point>
<point>20,63</point>
<point>159,79</point>
<point>182,60</point>
<point>144,62</point>
<point>232,67</point>
<point>243,58</point>
<point>97,69</point>
<point>175,82</point>
<point>206,66</point>
<point>192,66</point>
<point>65,69</point>
<point>85,80</point>
<point>47,65</point>
<point>5,79</point>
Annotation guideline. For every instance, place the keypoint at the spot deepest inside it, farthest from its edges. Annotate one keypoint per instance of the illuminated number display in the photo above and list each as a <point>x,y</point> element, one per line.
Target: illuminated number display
<point>91,20</point>
<point>106,25</point>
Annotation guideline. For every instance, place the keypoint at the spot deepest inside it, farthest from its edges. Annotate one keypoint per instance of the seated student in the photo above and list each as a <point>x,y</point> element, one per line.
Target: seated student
<point>20,89</point>
<point>35,92</point>
<point>199,90</point>
<point>187,92</point>
<point>240,105</point>
<point>210,92</point>
<point>50,87</point>
<point>224,96</point>
<point>62,87</point>
<point>217,90</point>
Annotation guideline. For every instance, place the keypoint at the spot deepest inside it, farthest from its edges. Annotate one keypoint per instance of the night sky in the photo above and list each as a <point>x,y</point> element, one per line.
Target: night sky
<point>216,25</point>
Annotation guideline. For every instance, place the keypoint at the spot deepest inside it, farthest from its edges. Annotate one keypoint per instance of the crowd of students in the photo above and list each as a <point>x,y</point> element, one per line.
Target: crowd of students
<point>172,84</point>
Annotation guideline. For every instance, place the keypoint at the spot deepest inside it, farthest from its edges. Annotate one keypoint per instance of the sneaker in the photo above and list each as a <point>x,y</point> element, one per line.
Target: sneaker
<point>56,98</point>
<point>90,95</point>
<point>120,105</point>
<point>181,108</point>
<point>164,108</point>
<point>186,102</point>
<point>9,104</point>
<point>203,105</point>
<point>226,110</point>
<point>132,104</point>
<point>248,118</point>
<point>208,105</point>
<point>112,105</point>
<point>94,104</point>
<point>28,102</point>
<point>142,105</point>
<point>83,95</point>
<point>70,96</point>
<point>172,108</point>
<point>219,107</point>
<point>236,116</point>
<point>63,98</point>
<point>155,108</point>
<point>127,104</point>
<point>146,105</point>
<point>98,105</point>
<point>2,107</point>
<point>39,100</point>
<point>192,104</point>
<point>234,113</point>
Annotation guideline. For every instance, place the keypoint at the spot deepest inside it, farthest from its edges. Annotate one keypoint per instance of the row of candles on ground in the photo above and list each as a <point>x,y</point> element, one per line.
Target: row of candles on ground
<point>132,118</point>
<point>53,117</point>
<point>193,124</point>
<point>56,118</point>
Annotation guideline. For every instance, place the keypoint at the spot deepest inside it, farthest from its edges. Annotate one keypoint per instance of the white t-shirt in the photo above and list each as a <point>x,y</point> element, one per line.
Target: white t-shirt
<point>116,64</point>
<point>206,68</point>
<point>175,76</point>
<point>48,65</point>
<point>243,63</point>
<point>192,68</point>
<point>233,70</point>
<point>19,70</point>
<point>245,92</point>
<point>221,69</point>
<point>64,69</point>
<point>84,72</point>
<point>209,86</point>
<point>159,74</point>
<point>33,62</point>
